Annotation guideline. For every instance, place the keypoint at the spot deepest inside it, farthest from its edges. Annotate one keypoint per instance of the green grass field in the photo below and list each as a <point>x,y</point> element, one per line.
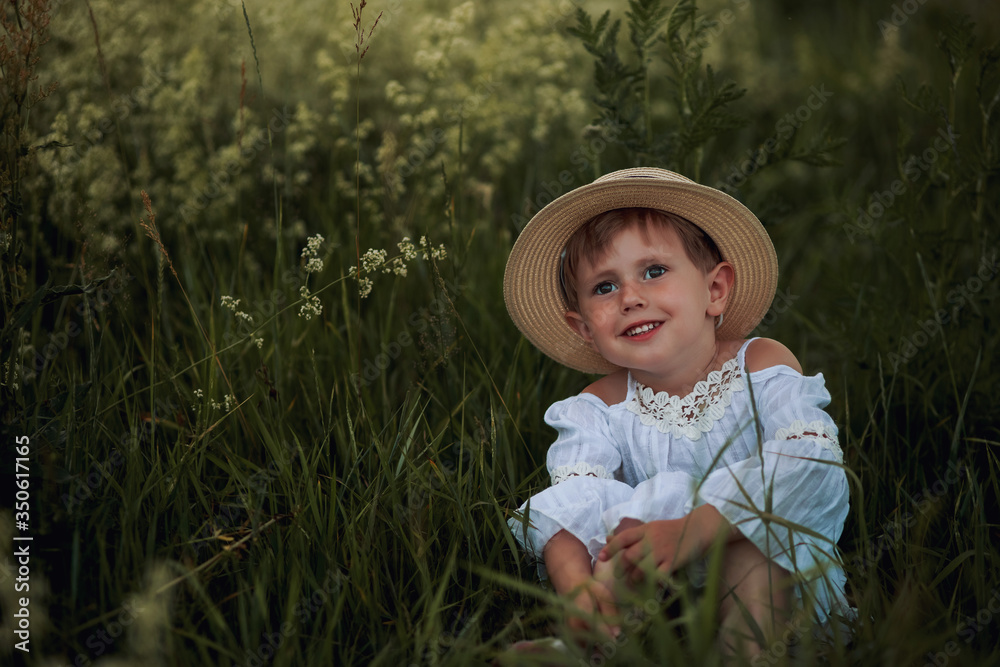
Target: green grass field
<point>252,439</point>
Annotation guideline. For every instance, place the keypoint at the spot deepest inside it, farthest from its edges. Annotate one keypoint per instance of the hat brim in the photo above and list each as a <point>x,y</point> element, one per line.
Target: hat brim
<point>531,280</point>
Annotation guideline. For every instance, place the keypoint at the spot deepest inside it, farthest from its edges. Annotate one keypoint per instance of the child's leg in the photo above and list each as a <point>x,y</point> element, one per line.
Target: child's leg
<point>762,587</point>
<point>606,575</point>
<point>569,566</point>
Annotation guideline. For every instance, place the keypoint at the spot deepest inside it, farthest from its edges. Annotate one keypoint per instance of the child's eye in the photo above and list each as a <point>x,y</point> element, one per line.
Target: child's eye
<point>654,272</point>
<point>605,288</point>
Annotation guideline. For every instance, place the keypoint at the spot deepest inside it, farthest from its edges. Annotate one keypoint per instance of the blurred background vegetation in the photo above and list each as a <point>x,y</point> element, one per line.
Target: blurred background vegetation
<point>258,483</point>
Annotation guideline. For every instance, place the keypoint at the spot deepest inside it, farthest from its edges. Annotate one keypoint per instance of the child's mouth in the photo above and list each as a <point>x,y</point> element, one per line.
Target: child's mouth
<point>642,328</point>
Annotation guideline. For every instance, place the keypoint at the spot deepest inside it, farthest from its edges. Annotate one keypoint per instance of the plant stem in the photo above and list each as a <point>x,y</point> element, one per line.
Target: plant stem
<point>357,186</point>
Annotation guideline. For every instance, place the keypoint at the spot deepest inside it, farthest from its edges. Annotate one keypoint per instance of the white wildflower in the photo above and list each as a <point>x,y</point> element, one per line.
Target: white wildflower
<point>378,259</point>
<point>408,249</point>
<point>373,259</point>
<point>259,342</point>
<point>231,303</point>
<point>396,266</point>
<point>312,306</point>
<point>312,246</point>
<point>365,287</point>
<point>311,253</point>
<point>430,252</point>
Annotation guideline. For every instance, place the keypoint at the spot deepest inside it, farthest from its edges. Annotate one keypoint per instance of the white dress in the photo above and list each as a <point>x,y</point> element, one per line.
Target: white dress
<point>657,456</point>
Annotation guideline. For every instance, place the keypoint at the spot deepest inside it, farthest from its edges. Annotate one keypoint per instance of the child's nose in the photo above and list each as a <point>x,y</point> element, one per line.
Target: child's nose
<point>631,296</point>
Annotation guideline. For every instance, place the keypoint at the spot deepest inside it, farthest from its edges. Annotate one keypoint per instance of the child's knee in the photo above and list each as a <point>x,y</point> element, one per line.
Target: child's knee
<point>760,585</point>
<point>744,562</point>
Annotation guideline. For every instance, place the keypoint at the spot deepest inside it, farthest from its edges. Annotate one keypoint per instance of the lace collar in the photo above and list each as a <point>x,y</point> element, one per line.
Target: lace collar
<point>695,413</point>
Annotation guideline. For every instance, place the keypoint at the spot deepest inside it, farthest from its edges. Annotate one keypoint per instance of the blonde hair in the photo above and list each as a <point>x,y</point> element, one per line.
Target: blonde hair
<point>591,241</point>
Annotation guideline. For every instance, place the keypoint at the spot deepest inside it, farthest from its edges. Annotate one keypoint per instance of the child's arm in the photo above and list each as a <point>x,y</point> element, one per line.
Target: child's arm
<point>582,464</point>
<point>567,562</point>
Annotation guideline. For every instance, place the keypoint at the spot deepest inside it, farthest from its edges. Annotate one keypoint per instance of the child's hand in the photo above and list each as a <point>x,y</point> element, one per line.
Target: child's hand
<point>596,597</point>
<point>568,564</point>
<point>605,575</point>
<point>663,545</point>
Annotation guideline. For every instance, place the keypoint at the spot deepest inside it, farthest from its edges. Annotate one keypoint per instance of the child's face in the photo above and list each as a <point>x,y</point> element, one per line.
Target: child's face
<point>645,305</point>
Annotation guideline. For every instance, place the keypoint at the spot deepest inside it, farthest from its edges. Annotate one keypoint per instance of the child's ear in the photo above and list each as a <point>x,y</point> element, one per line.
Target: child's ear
<point>576,321</point>
<point>720,284</point>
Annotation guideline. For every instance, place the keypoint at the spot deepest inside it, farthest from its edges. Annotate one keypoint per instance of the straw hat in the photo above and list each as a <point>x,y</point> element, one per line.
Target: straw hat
<point>531,282</point>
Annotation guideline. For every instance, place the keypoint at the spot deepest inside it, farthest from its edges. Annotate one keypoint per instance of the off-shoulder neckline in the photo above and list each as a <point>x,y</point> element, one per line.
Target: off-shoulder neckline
<point>740,358</point>
<point>755,377</point>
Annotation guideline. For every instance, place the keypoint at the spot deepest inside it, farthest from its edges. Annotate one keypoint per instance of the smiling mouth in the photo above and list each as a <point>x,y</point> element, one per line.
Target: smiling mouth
<point>642,328</point>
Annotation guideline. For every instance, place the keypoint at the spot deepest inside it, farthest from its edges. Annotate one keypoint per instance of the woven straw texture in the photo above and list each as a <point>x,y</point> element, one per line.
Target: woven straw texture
<point>531,280</point>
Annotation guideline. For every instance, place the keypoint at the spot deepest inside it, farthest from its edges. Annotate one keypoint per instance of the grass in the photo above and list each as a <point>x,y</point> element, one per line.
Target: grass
<point>348,504</point>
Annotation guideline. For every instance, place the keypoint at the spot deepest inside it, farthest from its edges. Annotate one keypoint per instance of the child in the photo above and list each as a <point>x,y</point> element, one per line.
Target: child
<point>693,433</point>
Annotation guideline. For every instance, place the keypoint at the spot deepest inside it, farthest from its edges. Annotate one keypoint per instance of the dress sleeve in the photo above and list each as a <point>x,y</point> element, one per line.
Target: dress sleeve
<point>582,463</point>
<point>791,497</point>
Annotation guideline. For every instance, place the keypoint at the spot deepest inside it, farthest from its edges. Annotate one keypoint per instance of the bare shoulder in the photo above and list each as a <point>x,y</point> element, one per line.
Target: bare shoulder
<point>611,388</point>
<point>765,353</point>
